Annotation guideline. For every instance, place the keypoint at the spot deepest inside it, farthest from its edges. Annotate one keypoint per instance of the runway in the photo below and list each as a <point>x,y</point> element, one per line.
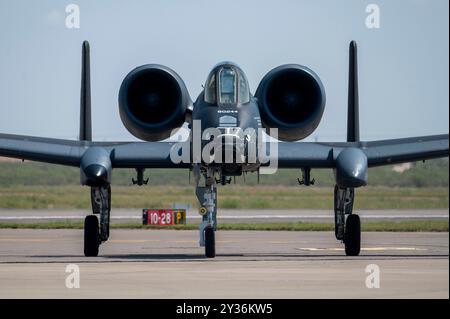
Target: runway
<point>226,215</point>
<point>250,264</point>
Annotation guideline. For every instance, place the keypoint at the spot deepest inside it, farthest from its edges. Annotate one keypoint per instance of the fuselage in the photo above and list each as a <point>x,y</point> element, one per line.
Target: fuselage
<point>227,123</point>
<point>228,118</point>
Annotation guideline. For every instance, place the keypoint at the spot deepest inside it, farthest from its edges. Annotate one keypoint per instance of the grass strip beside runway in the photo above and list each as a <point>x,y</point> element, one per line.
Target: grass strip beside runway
<point>229,197</point>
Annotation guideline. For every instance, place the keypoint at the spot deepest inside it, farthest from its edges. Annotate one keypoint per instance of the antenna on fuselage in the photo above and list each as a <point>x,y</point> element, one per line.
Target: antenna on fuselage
<point>353,98</point>
<point>85,95</point>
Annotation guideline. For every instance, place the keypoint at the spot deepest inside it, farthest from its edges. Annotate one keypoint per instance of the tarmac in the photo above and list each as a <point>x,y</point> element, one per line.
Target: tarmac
<point>249,264</point>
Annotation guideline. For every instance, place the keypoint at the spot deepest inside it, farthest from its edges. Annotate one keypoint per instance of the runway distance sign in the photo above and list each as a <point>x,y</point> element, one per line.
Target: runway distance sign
<point>164,217</point>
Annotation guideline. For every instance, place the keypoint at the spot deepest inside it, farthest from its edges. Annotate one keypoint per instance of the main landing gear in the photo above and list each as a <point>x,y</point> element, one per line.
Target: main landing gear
<point>95,231</point>
<point>347,226</point>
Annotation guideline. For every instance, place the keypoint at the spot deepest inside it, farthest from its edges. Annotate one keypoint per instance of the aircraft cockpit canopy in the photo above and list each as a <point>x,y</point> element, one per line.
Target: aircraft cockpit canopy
<point>227,85</point>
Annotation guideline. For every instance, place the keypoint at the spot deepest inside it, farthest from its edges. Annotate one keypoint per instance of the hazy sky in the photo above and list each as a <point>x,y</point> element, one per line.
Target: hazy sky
<point>403,66</point>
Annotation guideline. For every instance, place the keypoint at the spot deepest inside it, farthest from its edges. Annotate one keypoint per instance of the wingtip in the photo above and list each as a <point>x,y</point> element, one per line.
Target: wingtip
<point>353,45</point>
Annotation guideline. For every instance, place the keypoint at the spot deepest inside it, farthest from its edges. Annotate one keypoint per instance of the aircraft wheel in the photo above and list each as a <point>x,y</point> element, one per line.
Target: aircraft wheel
<point>210,243</point>
<point>91,236</point>
<point>352,236</point>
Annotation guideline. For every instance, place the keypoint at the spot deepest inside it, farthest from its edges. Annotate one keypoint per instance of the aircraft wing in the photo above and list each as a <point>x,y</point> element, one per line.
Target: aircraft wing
<point>405,150</point>
<point>56,151</point>
<point>70,152</point>
<point>145,155</point>
<point>383,152</point>
<point>157,154</point>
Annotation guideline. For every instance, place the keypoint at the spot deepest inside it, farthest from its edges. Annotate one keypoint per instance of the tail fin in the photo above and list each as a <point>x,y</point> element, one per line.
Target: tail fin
<point>353,98</point>
<point>85,95</point>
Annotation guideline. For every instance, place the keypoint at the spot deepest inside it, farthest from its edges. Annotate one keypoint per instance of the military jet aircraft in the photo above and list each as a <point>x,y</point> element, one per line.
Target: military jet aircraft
<point>224,127</point>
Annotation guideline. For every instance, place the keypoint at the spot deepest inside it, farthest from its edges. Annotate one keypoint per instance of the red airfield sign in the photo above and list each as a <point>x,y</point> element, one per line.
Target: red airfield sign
<point>164,217</point>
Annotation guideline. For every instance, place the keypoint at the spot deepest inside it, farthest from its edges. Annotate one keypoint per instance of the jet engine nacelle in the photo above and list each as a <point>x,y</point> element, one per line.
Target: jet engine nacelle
<point>291,98</point>
<point>152,102</point>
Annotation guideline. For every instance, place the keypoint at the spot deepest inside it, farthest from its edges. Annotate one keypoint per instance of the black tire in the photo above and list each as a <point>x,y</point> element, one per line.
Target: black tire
<point>91,236</point>
<point>352,236</point>
<point>210,243</point>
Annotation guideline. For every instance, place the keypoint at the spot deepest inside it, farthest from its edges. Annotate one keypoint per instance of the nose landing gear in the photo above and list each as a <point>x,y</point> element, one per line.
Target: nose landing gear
<point>207,197</point>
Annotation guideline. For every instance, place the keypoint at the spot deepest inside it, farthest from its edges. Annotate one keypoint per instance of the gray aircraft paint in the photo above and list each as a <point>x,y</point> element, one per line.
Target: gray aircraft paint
<point>157,154</point>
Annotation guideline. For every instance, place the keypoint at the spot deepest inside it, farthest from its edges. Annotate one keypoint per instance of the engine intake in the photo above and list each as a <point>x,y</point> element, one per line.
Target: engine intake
<point>291,98</point>
<point>152,102</point>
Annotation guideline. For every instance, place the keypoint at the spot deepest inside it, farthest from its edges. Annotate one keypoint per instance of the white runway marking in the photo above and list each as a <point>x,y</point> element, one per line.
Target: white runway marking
<point>366,249</point>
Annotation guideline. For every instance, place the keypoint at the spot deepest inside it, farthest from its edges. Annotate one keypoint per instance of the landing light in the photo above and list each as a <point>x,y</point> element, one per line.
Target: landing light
<point>202,211</point>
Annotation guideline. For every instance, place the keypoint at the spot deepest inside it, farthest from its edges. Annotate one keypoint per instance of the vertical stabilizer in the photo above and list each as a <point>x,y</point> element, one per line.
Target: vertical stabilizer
<point>353,98</point>
<point>85,95</point>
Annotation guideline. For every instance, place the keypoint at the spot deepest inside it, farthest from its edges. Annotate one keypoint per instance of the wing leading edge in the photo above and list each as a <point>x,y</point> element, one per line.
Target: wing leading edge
<point>70,152</point>
<point>157,154</point>
<point>378,153</point>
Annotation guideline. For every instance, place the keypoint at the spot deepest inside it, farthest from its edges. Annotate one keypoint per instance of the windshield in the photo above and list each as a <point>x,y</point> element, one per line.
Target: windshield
<point>210,89</point>
<point>227,88</point>
<point>227,85</point>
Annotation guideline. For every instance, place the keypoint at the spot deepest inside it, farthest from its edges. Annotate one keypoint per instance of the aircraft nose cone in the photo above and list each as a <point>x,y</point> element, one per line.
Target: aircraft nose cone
<point>96,175</point>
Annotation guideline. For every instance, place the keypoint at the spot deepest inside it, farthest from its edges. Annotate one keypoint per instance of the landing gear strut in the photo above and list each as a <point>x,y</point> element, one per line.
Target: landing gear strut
<point>207,197</point>
<point>96,232</point>
<point>347,226</point>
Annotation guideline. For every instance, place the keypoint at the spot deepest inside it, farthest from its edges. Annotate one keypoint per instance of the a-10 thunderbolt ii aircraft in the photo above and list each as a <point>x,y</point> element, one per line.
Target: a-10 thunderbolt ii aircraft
<point>225,138</point>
